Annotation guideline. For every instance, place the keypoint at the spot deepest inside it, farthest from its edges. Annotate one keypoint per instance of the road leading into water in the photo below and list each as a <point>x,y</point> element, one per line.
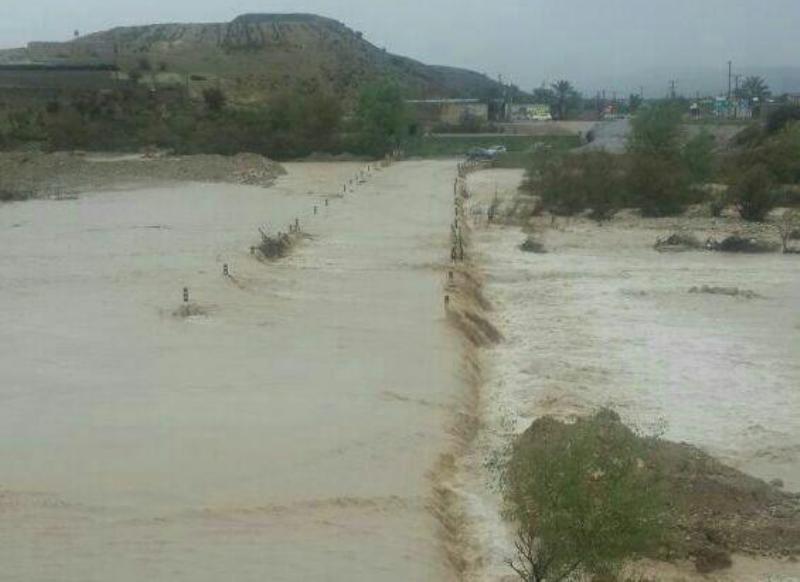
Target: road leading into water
<point>286,435</point>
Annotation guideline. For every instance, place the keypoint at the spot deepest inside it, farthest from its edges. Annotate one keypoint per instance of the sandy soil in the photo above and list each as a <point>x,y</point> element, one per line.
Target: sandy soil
<point>603,319</point>
<point>285,435</point>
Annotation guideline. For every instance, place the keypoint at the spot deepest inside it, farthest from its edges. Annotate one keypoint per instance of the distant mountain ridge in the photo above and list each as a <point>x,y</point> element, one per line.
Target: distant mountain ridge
<point>256,55</point>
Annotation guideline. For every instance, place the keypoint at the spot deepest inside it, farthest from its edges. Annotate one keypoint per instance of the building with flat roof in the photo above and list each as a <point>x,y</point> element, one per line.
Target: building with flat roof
<point>429,113</point>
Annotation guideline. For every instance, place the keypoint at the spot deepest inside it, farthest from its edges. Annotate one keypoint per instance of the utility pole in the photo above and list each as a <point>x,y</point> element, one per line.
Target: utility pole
<point>736,97</point>
<point>730,75</point>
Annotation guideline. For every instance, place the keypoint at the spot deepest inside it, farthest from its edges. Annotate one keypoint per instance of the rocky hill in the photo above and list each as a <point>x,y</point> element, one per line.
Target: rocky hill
<point>258,55</point>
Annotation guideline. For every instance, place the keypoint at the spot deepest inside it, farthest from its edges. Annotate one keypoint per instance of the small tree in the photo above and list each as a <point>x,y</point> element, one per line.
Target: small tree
<point>656,130</point>
<point>565,98</point>
<point>561,185</point>
<point>584,499</point>
<point>658,185</point>
<point>381,120</point>
<point>658,178</point>
<point>754,89</point>
<point>753,193</point>
<point>698,156</point>
<point>789,227</point>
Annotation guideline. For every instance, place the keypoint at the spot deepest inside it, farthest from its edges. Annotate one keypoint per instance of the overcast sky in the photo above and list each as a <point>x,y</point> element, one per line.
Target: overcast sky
<point>595,43</point>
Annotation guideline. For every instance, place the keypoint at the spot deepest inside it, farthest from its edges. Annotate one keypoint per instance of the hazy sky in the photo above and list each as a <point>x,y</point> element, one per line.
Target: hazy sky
<point>596,43</point>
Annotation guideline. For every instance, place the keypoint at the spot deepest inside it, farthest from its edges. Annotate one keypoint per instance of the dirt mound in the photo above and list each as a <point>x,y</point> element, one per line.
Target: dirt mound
<point>190,310</point>
<point>729,291</point>
<point>531,245</point>
<point>740,244</point>
<point>39,175</point>
<point>717,510</point>
<point>678,242</point>
<point>277,246</point>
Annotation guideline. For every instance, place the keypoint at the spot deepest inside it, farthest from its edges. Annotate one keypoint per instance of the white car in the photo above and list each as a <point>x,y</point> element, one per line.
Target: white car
<point>498,149</point>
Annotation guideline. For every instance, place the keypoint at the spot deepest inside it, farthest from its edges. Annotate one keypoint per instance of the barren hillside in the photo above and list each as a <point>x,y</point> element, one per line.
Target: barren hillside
<point>256,55</point>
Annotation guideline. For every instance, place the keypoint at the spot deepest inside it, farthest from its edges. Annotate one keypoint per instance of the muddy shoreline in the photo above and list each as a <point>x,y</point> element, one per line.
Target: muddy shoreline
<point>31,175</point>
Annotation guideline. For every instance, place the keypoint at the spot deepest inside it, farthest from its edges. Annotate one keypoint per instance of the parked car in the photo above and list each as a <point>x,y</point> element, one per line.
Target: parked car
<point>480,154</point>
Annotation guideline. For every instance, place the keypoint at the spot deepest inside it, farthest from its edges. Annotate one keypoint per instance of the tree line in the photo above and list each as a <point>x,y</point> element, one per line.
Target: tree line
<point>290,125</point>
<point>664,170</point>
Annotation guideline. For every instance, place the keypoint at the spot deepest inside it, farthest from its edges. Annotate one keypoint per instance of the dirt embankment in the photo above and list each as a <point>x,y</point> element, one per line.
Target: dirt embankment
<point>34,175</point>
<point>716,510</point>
<point>468,313</point>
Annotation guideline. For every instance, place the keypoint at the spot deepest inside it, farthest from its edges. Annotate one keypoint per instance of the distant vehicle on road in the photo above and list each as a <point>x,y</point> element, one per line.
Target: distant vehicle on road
<point>486,153</point>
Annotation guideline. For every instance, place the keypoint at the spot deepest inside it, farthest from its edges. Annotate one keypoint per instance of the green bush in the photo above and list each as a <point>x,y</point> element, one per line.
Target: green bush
<point>659,185</point>
<point>582,498</point>
<point>381,119</point>
<point>659,176</point>
<point>781,154</point>
<point>781,117</point>
<point>753,193</point>
<point>656,130</point>
<point>698,157</point>
<point>215,99</point>
<point>569,184</point>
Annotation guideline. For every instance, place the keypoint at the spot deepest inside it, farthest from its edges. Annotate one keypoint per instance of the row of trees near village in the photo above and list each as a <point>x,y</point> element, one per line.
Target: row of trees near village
<point>664,170</point>
<point>566,102</point>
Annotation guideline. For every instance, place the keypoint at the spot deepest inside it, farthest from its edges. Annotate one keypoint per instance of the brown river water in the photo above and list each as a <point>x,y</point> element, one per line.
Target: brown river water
<point>288,434</point>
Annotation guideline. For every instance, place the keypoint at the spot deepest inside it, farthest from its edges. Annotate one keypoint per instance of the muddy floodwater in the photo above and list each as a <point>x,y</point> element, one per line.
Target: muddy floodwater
<point>602,319</point>
<point>285,434</point>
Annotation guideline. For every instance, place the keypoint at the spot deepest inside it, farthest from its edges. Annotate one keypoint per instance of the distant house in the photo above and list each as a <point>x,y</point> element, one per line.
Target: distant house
<point>529,112</point>
<point>429,113</point>
<point>733,109</point>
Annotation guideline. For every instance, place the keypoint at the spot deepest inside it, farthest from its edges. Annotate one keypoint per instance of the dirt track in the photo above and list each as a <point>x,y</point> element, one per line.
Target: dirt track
<point>287,434</point>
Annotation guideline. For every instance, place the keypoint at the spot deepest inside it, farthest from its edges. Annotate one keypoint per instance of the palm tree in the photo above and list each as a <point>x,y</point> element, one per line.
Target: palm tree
<point>754,88</point>
<point>564,93</point>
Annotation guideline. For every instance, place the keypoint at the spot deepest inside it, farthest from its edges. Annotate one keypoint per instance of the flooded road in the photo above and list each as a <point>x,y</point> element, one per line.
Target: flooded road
<point>286,435</point>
